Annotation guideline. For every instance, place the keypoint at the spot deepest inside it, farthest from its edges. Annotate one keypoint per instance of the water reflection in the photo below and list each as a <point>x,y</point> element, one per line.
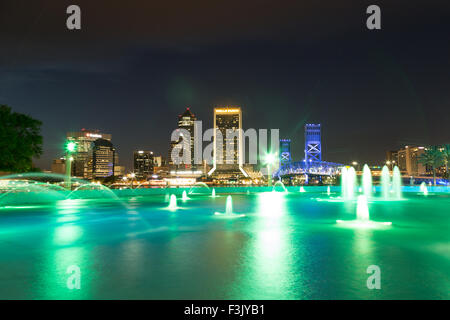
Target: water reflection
<point>267,273</point>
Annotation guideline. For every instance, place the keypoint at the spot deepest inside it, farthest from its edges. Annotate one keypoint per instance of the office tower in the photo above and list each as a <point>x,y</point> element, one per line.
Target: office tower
<point>84,140</point>
<point>285,151</point>
<point>185,121</point>
<point>408,161</point>
<point>101,159</point>
<point>228,121</point>
<point>313,145</point>
<point>143,164</point>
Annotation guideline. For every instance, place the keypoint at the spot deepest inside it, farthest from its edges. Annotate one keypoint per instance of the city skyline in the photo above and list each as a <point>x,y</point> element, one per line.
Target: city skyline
<point>296,154</point>
<point>372,91</point>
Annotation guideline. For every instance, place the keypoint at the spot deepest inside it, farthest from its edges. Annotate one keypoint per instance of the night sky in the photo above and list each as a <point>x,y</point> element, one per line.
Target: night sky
<point>135,65</point>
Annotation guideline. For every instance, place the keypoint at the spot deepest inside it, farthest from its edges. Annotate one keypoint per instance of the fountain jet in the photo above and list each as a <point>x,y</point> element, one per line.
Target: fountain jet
<point>385,182</point>
<point>184,196</point>
<point>173,202</point>
<point>397,183</point>
<point>362,216</point>
<point>348,179</point>
<point>424,189</point>
<point>362,209</point>
<point>279,183</point>
<point>229,210</point>
<point>367,181</point>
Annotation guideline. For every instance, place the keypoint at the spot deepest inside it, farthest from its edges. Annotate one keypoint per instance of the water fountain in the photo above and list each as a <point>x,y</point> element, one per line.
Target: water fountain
<point>362,216</point>
<point>397,183</point>
<point>279,183</point>
<point>229,206</point>
<point>348,182</point>
<point>173,203</point>
<point>213,193</point>
<point>422,187</point>
<point>302,189</point>
<point>367,181</point>
<point>385,182</point>
<point>344,174</point>
<point>199,185</point>
<point>184,196</point>
<point>328,190</point>
<point>228,210</point>
<point>351,182</point>
<point>362,209</point>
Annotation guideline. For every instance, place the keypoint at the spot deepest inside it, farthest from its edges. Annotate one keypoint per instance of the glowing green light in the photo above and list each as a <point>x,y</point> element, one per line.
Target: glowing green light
<point>71,146</point>
<point>270,158</point>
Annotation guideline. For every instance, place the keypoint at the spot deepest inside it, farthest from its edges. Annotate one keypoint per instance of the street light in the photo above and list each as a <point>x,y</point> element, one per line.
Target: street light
<point>132,175</point>
<point>270,160</point>
<point>71,147</point>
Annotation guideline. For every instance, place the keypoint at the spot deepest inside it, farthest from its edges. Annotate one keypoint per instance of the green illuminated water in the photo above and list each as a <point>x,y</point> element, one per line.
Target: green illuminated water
<point>288,245</point>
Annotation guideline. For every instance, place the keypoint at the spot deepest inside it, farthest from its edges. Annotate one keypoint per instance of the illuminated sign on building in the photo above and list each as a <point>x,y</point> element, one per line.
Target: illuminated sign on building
<point>93,135</point>
<point>226,110</point>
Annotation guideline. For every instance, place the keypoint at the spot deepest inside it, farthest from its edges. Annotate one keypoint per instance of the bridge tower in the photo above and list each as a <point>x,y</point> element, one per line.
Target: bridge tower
<point>285,151</point>
<point>313,145</point>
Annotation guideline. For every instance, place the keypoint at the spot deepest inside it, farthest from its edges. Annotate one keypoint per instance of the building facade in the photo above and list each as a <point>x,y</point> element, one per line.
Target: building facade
<point>408,161</point>
<point>228,147</point>
<point>143,164</point>
<point>186,121</point>
<point>101,159</point>
<point>84,140</point>
<point>59,166</point>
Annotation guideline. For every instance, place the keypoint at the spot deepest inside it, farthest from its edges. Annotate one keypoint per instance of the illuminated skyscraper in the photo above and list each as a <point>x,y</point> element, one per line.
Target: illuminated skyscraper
<point>185,121</point>
<point>84,140</point>
<point>101,159</point>
<point>143,164</point>
<point>228,121</point>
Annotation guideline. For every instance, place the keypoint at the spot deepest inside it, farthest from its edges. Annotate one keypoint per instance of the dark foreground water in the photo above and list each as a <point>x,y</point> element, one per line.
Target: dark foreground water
<point>288,246</point>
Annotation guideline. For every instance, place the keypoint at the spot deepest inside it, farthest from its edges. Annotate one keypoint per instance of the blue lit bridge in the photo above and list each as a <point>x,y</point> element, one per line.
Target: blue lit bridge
<point>318,168</point>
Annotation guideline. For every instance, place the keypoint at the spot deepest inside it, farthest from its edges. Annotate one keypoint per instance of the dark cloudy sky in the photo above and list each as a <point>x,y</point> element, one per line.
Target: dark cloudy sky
<point>136,65</point>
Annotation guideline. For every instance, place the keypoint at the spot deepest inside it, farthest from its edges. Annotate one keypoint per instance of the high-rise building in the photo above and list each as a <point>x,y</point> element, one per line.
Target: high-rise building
<point>159,161</point>
<point>101,159</point>
<point>392,158</point>
<point>84,140</point>
<point>285,151</point>
<point>313,145</point>
<point>59,166</point>
<point>185,121</point>
<point>143,164</point>
<point>228,153</point>
<point>408,160</point>
<point>119,171</point>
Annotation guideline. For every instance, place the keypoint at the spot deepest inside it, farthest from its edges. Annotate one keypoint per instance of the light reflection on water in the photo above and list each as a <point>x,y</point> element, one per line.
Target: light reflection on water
<point>267,273</point>
<point>288,246</point>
